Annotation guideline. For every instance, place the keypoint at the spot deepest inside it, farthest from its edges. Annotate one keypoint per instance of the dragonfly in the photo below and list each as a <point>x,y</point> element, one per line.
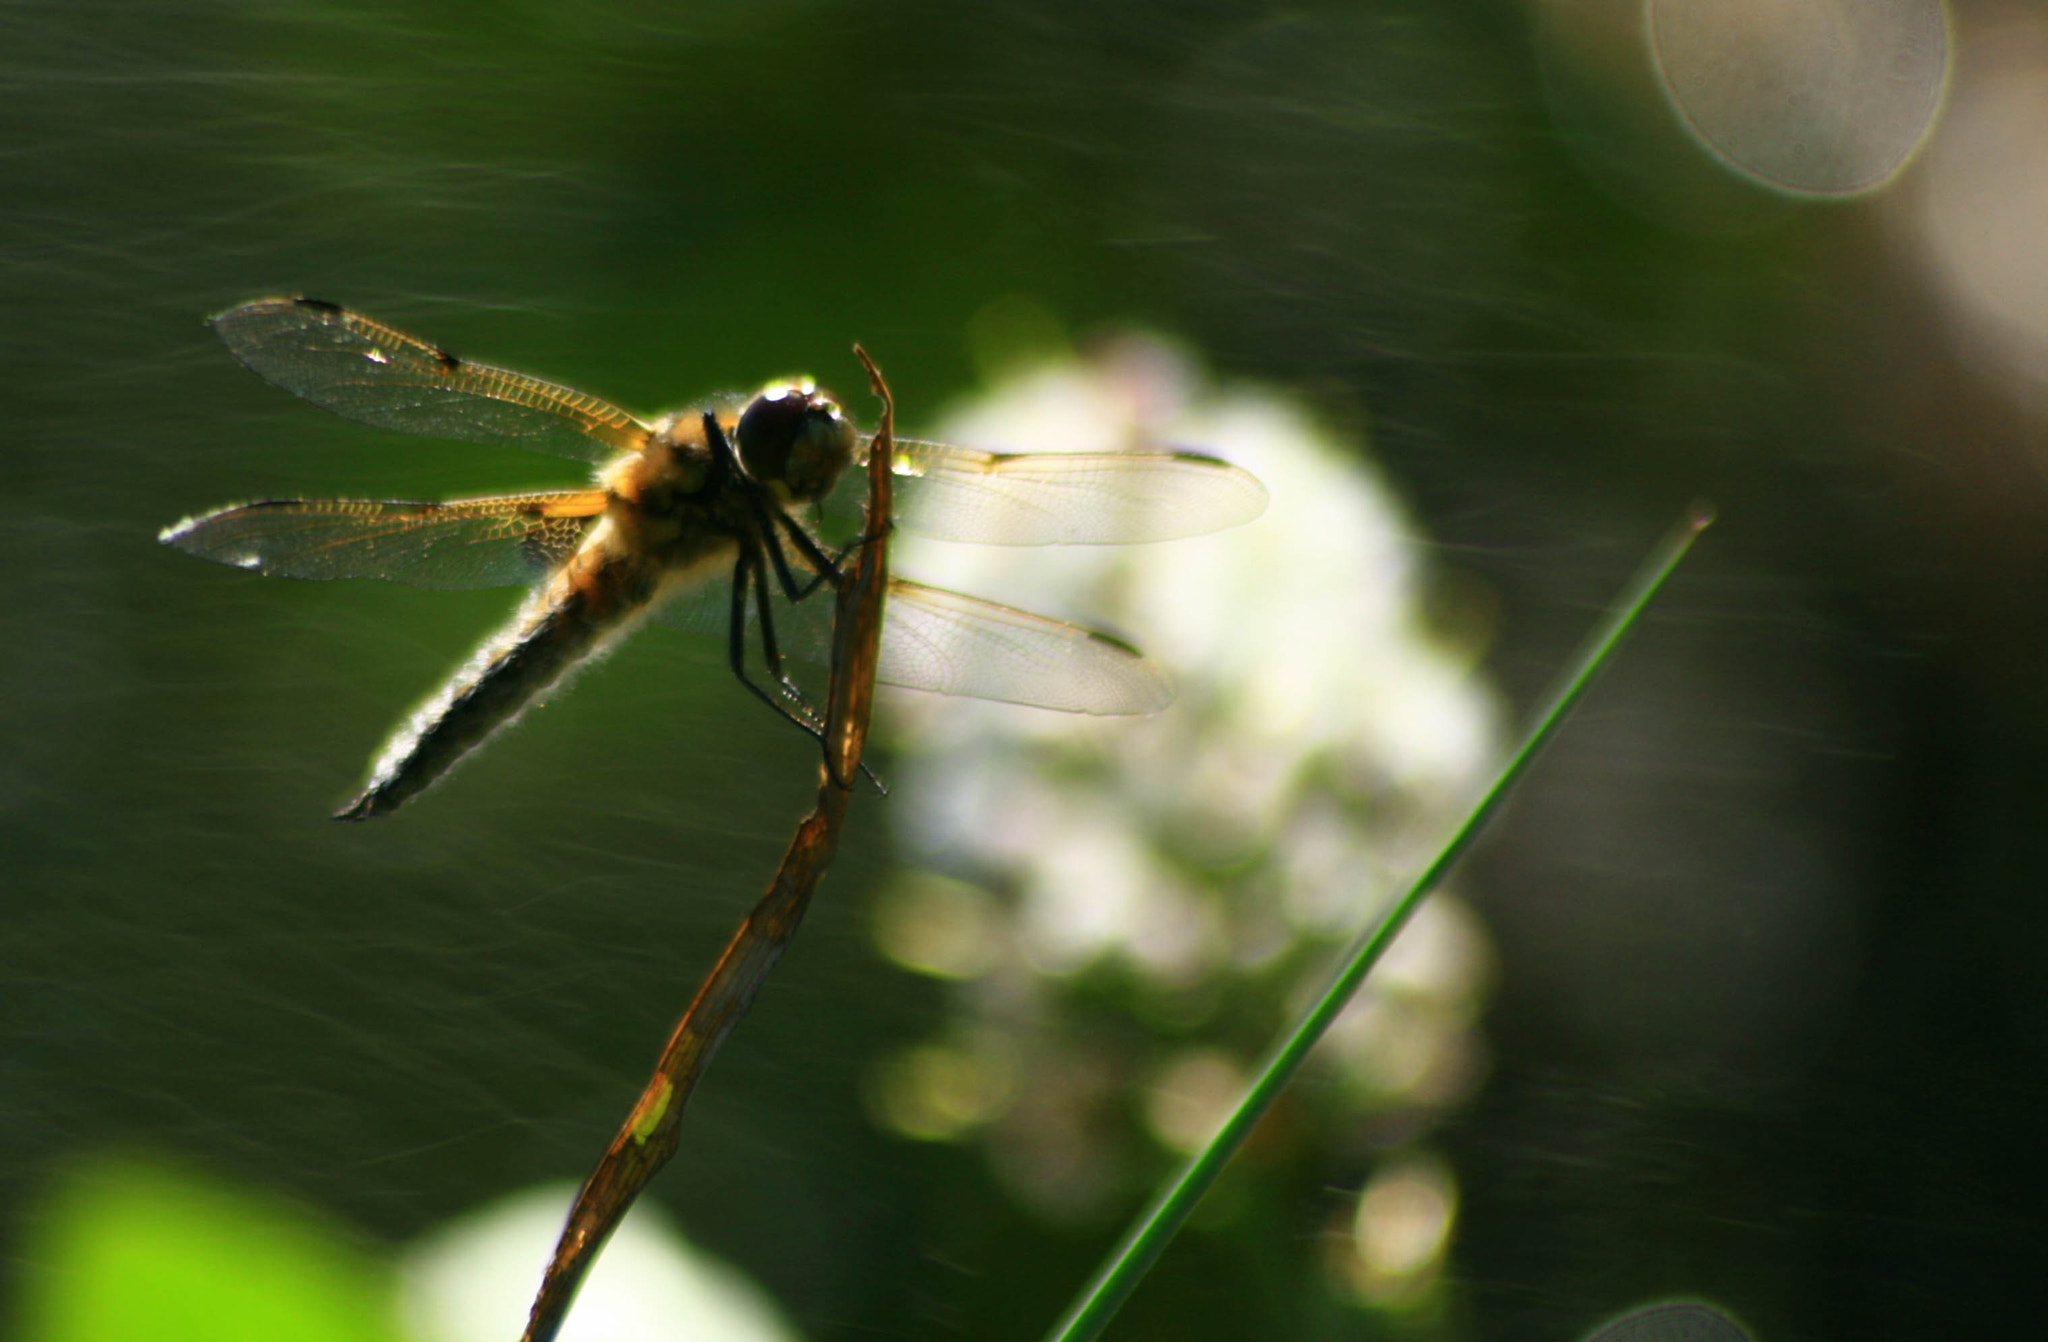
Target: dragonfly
<point>719,491</point>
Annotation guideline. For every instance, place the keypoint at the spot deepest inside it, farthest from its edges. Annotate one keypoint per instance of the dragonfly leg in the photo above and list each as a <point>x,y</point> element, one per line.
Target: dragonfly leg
<point>774,524</point>
<point>748,570</point>
<point>722,448</point>
<point>827,566</point>
<point>771,654</point>
<point>745,573</point>
<point>749,567</point>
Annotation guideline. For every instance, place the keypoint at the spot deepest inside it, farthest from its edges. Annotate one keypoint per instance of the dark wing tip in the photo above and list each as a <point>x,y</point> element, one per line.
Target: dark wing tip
<point>1255,494</point>
<point>1147,690</point>
<point>1112,641</point>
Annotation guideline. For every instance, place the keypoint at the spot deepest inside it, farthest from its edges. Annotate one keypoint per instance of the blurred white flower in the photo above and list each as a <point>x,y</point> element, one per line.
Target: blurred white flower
<point>1152,896</point>
<point>472,1280</point>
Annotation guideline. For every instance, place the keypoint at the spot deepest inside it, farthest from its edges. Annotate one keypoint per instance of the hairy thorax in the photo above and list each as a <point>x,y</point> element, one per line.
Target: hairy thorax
<point>667,518</point>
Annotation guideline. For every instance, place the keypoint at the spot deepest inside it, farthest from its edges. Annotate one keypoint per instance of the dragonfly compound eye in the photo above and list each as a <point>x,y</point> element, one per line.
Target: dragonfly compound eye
<point>797,436</point>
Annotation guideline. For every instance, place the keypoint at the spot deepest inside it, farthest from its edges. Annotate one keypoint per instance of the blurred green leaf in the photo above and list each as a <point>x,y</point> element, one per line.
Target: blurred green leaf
<point>140,1250</point>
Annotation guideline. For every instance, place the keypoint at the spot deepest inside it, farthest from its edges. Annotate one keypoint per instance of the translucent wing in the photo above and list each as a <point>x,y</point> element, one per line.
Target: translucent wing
<point>496,542</point>
<point>950,643</point>
<point>361,368</point>
<point>933,639</point>
<point>1060,498</point>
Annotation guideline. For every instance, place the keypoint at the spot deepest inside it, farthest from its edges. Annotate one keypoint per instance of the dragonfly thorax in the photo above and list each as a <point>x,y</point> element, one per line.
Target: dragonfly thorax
<point>795,436</point>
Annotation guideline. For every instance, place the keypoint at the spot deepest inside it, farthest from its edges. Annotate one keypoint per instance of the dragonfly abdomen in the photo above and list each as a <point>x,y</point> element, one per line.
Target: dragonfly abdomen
<point>582,609</point>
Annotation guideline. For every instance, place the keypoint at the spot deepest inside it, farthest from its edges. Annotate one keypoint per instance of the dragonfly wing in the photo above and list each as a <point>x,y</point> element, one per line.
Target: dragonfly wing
<point>361,368</point>
<point>933,639</point>
<point>803,630</point>
<point>507,541</point>
<point>1062,498</point>
<point>951,643</point>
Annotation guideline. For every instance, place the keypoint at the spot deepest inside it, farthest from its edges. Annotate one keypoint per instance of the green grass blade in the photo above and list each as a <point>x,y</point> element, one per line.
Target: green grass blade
<point>1157,1225</point>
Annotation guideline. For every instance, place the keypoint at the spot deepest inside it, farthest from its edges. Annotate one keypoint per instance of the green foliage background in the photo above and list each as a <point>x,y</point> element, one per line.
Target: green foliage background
<point>1377,206</point>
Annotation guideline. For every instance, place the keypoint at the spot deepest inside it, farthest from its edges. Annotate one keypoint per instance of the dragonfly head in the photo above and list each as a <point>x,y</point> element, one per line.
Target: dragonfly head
<point>794,435</point>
